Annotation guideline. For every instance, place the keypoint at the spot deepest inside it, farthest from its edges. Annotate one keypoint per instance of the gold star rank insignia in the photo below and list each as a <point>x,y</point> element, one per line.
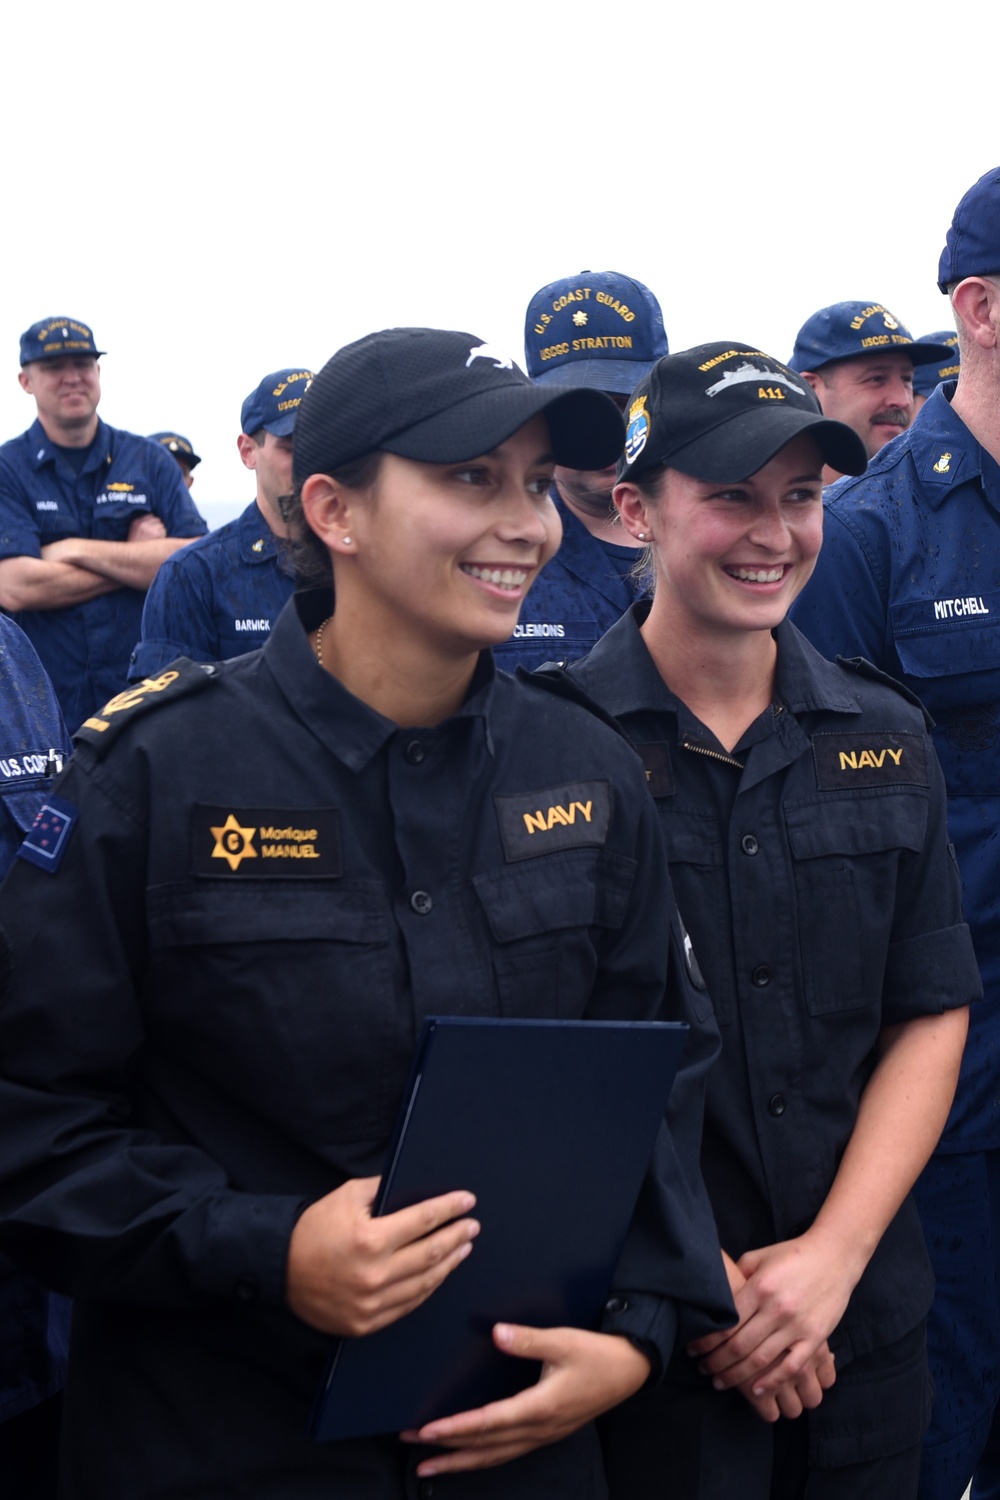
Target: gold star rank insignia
<point>233,843</point>
<point>580,319</point>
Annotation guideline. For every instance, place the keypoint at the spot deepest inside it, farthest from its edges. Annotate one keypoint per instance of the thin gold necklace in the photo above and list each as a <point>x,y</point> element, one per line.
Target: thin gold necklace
<point>319,639</point>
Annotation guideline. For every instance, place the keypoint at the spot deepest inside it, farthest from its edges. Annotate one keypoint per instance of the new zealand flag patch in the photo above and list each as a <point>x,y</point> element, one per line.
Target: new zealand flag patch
<point>45,842</point>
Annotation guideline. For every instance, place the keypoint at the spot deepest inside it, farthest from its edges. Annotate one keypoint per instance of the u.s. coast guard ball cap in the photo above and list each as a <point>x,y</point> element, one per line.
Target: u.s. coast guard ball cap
<point>599,329</point>
<point>722,411</point>
<point>57,338</point>
<point>180,447</point>
<point>440,397</point>
<point>926,377</point>
<point>972,246</point>
<point>274,405</point>
<point>845,330</point>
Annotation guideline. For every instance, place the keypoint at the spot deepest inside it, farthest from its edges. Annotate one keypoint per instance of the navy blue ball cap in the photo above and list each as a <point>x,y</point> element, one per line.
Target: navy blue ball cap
<point>441,397</point>
<point>57,338</point>
<point>179,446</point>
<point>598,329</point>
<point>845,330</point>
<point>721,411</point>
<point>972,247</point>
<point>926,377</point>
<point>274,405</point>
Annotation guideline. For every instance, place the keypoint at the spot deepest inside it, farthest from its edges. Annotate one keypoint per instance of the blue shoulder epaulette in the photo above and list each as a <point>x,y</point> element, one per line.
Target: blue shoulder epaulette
<point>865,668</point>
<point>179,680</point>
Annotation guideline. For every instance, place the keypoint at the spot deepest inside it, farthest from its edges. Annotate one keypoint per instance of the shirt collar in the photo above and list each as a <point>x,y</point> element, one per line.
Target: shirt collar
<point>945,453</point>
<point>620,673</point>
<point>351,730</point>
<point>43,451</point>
<point>258,542</point>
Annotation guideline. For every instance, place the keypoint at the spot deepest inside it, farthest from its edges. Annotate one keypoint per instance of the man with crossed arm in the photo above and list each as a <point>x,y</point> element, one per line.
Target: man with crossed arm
<point>87,515</point>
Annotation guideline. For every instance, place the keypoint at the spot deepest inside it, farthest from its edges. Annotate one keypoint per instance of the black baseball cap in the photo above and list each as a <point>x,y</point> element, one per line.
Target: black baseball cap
<point>722,411</point>
<point>440,397</point>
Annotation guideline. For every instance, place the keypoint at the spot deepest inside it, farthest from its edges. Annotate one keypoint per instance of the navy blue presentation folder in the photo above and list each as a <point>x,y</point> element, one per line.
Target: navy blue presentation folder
<point>551,1124</point>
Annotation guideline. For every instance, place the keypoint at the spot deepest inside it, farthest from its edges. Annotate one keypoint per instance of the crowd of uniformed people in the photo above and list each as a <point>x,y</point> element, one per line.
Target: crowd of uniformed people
<point>286,826</point>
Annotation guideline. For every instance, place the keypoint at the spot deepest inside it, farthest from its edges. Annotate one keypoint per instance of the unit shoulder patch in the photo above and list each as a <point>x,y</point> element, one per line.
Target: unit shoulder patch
<point>856,759</point>
<point>180,679</point>
<point>570,816</point>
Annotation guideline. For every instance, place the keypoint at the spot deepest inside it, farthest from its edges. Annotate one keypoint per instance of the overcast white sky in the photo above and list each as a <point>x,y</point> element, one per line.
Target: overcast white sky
<point>221,189</point>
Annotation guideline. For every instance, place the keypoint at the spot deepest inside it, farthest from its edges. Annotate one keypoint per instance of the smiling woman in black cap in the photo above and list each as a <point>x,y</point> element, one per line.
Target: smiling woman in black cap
<point>804,814</point>
<point>252,884</point>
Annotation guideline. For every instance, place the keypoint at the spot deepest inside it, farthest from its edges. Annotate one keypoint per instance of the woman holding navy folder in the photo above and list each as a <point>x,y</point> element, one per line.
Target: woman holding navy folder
<point>253,883</point>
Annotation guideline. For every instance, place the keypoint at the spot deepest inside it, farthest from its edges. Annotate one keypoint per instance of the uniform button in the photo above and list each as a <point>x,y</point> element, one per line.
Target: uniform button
<point>421,903</point>
<point>616,1305</point>
<point>415,752</point>
<point>776,1105</point>
<point>246,1289</point>
<point>761,976</point>
<point>749,844</point>
<point>425,1489</point>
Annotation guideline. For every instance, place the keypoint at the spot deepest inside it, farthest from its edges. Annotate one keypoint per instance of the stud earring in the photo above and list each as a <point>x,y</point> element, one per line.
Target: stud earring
<point>347,541</point>
<point>640,536</point>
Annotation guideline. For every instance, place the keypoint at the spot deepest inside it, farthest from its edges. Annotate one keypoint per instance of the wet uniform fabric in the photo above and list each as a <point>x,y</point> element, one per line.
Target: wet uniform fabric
<point>812,869</point>
<point>576,597</point>
<point>215,599</point>
<point>224,917</point>
<point>85,648</point>
<point>909,577</point>
<point>34,1324</point>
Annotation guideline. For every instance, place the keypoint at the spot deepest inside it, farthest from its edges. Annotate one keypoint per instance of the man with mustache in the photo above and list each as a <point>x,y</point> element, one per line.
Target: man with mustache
<point>859,360</point>
<point>603,330</point>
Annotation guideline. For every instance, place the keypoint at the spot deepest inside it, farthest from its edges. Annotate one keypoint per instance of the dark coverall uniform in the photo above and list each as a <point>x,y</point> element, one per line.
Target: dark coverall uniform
<point>576,597</point>
<point>909,577</point>
<point>212,1011</point>
<point>34,1324</point>
<point>812,868</point>
<point>215,599</point>
<point>85,647</point>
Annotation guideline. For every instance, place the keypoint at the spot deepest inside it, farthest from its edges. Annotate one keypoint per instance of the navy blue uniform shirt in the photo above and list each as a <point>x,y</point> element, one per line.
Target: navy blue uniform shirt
<point>811,865</point>
<point>215,599</point>
<point>34,1325</point>
<point>85,648</point>
<point>576,597</point>
<point>268,888</point>
<point>909,577</point>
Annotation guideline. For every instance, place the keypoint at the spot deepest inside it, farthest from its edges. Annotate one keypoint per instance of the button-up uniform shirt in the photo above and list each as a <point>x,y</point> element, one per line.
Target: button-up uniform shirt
<point>576,597</point>
<point>34,1325</point>
<point>909,577</point>
<point>812,869</point>
<point>269,887</point>
<point>85,647</point>
<point>215,599</point>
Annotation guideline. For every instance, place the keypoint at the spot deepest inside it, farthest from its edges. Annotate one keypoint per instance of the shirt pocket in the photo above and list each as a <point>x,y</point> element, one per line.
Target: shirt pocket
<point>544,918</point>
<point>845,867</point>
<point>698,872</point>
<point>283,994</point>
<point>955,671</point>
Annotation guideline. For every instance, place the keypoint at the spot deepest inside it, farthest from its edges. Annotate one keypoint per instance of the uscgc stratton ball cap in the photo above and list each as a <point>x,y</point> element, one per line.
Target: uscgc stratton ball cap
<point>926,377</point>
<point>722,411</point>
<point>845,330</point>
<point>598,329</point>
<point>57,338</point>
<point>972,247</point>
<point>274,405</point>
<point>179,446</point>
<point>441,397</point>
